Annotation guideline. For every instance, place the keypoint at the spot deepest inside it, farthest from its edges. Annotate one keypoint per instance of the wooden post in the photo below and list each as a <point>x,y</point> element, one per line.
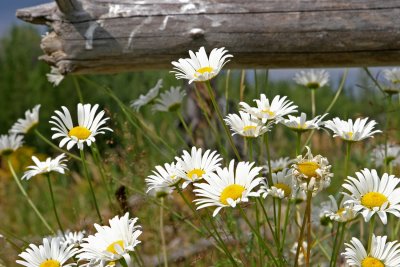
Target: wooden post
<point>105,36</point>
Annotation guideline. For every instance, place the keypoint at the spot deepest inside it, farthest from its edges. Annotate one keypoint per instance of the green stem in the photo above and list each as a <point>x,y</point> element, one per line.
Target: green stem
<point>278,232</point>
<point>346,166</point>
<point>387,126</point>
<point>332,262</point>
<point>188,132</point>
<point>371,232</point>
<point>216,107</point>
<point>313,112</point>
<point>78,89</point>
<point>342,233</point>
<point>163,245</point>
<point>54,203</point>
<point>309,233</point>
<point>90,185</point>
<point>269,177</point>
<point>298,143</point>
<point>250,147</point>
<point>303,226</point>
<point>285,224</point>
<point>268,221</point>
<point>28,199</point>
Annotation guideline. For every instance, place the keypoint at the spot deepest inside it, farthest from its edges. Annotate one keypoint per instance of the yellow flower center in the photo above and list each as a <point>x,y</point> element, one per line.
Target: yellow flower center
<point>286,189</point>
<point>313,85</point>
<point>111,247</point>
<point>79,132</point>
<point>340,211</point>
<point>204,70</point>
<point>308,168</point>
<point>371,262</point>
<point>198,172</point>
<point>269,112</point>
<point>350,135</point>
<point>233,191</point>
<point>373,199</point>
<point>50,263</point>
<point>248,128</point>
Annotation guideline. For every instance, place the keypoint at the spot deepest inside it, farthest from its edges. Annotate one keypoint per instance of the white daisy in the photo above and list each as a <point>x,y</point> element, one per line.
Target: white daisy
<point>111,243</point>
<point>392,155</point>
<point>312,79</point>
<point>352,132</point>
<point>301,124</point>
<point>89,125</point>
<point>163,179</point>
<point>55,77</point>
<point>392,75</point>
<point>333,212</point>
<point>282,187</point>
<point>9,143</point>
<point>195,166</point>
<point>228,187</point>
<point>278,165</point>
<point>170,100</point>
<point>382,254</point>
<point>22,126</point>
<point>312,173</point>
<point>49,165</point>
<point>246,125</point>
<point>199,67</point>
<point>145,99</point>
<point>51,254</point>
<point>265,111</point>
<point>370,194</point>
<point>72,238</point>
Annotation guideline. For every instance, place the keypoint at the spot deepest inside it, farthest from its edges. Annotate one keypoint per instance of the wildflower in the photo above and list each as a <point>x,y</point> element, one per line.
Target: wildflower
<point>111,243</point>
<point>196,166</point>
<point>352,132</point>
<point>50,165</point>
<point>246,125</point>
<point>312,79</point>
<point>228,187</point>
<point>265,111</point>
<point>392,155</point>
<point>89,125</point>
<point>23,126</point>
<point>278,165</point>
<point>55,77</point>
<point>370,194</point>
<point>51,254</point>
<point>301,124</point>
<point>9,143</point>
<point>72,238</point>
<point>146,99</point>
<point>199,67</point>
<point>163,179</point>
<point>392,75</point>
<point>333,212</point>
<point>170,100</point>
<point>382,253</point>
<point>282,185</point>
<point>312,173</point>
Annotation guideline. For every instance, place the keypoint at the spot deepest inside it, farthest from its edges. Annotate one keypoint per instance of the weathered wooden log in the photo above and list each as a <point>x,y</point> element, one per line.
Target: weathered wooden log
<point>104,36</point>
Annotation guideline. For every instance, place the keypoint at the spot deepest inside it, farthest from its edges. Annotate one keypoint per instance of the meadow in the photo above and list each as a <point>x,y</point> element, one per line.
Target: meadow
<point>111,177</point>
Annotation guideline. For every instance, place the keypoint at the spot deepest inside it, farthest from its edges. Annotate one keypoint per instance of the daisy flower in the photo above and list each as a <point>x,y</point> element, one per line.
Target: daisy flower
<point>196,166</point>
<point>22,126</point>
<point>9,143</point>
<point>49,165</point>
<point>145,99</point>
<point>51,254</point>
<point>382,254</point>
<point>265,111</point>
<point>246,125</point>
<point>228,187</point>
<point>333,212</point>
<point>392,155</point>
<point>392,75</point>
<point>111,243</point>
<point>199,67</point>
<point>312,79</point>
<point>55,77</point>
<point>352,132</point>
<point>282,187</point>
<point>278,165</point>
<point>163,179</point>
<point>89,125</point>
<point>371,194</point>
<point>170,101</point>
<point>312,173</point>
<point>72,238</point>
<point>301,124</point>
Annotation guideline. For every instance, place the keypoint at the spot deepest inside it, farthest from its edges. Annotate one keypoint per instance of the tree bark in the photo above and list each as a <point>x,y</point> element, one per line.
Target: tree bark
<point>107,36</point>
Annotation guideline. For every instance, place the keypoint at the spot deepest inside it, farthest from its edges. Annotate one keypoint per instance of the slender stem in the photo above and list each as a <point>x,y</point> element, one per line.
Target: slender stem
<point>371,232</point>
<point>256,82</point>
<point>339,245</point>
<point>303,226</point>
<point>278,232</point>
<point>90,184</point>
<point>298,143</point>
<point>346,166</point>
<point>28,199</point>
<point>332,262</point>
<point>163,245</point>
<point>269,177</point>
<point>250,147</point>
<point>387,126</point>
<point>78,89</point>
<point>54,146</point>
<point>268,222</point>
<point>258,227</point>
<point>216,107</point>
<point>313,112</point>
<point>54,203</point>
<point>309,232</point>
<point>189,133</point>
<point>285,224</point>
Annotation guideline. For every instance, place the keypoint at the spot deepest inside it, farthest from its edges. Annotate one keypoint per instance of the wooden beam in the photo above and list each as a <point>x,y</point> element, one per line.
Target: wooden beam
<point>105,36</point>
